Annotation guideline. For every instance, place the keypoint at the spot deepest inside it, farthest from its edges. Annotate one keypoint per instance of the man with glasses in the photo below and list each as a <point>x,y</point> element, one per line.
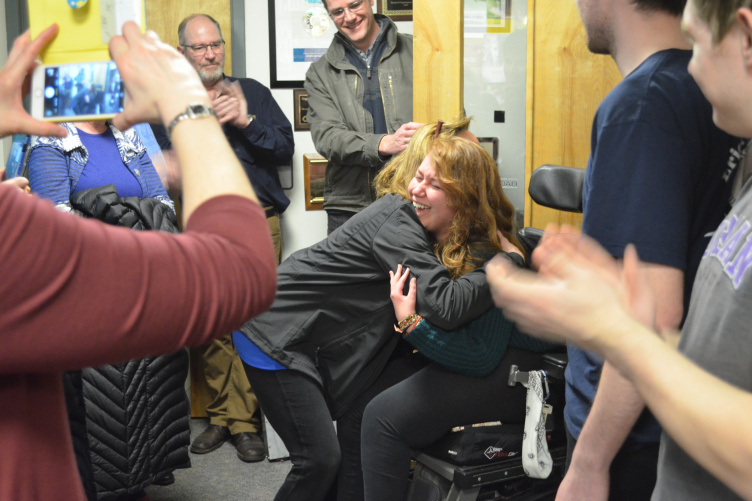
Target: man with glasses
<point>360,98</point>
<point>262,139</point>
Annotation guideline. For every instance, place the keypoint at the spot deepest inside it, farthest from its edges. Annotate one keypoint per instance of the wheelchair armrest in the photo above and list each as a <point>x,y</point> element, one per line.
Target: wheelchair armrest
<point>529,238</point>
<point>554,364</point>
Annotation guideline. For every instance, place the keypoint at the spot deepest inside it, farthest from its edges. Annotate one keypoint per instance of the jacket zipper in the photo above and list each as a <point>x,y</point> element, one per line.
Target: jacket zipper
<point>391,91</point>
<point>356,95</point>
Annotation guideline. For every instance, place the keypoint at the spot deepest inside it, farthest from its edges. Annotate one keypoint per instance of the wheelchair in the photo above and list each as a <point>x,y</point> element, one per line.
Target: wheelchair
<point>483,462</point>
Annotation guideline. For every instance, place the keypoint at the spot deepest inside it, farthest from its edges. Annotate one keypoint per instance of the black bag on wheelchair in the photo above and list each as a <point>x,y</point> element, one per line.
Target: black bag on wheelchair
<point>479,444</point>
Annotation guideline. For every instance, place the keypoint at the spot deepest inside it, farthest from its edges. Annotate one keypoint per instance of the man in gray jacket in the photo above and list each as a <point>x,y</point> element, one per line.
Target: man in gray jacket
<point>360,97</point>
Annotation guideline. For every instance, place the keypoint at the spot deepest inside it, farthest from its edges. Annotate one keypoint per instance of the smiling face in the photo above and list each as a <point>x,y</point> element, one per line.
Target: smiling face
<point>210,64</point>
<point>430,203</point>
<point>719,69</point>
<point>356,22</point>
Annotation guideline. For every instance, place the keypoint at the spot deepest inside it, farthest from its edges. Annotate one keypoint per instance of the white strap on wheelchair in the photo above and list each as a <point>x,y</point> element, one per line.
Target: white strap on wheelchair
<point>536,460</point>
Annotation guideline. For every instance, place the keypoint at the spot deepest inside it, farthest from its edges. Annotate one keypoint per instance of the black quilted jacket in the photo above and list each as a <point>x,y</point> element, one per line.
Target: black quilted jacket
<point>131,426</point>
<point>137,422</point>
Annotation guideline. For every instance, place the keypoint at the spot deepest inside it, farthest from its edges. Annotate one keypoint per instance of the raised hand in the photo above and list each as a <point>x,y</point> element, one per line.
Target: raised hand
<point>14,85</point>
<point>404,304</point>
<point>231,106</point>
<point>392,144</point>
<point>159,82</point>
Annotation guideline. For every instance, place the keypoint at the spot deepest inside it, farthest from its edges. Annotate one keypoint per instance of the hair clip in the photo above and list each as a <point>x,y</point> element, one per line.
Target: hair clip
<point>438,129</point>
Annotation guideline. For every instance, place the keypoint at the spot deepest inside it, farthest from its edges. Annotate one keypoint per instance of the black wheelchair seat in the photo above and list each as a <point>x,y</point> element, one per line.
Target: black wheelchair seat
<point>484,462</point>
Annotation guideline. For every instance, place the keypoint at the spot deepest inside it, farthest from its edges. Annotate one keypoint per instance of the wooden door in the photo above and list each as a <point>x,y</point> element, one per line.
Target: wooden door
<point>565,84</point>
<point>163,17</point>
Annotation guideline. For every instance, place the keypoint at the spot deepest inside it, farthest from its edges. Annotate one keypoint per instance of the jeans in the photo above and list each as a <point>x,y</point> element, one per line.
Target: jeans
<point>295,406</point>
<point>424,407</point>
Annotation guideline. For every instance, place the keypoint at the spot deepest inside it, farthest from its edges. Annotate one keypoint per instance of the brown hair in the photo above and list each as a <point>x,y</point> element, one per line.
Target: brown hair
<point>719,15</point>
<point>471,183</point>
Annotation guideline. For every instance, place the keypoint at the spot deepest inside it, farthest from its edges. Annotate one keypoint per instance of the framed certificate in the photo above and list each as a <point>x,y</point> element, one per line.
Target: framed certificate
<point>397,10</point>
<point>300,105</point>
<point>300,32</point>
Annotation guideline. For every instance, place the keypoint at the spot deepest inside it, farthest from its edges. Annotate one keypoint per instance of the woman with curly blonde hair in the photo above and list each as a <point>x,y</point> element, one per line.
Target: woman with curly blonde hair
<point>321,351</point>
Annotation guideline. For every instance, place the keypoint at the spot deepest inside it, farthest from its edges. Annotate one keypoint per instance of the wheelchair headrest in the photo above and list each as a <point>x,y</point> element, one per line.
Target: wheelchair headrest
<point>557,187</point>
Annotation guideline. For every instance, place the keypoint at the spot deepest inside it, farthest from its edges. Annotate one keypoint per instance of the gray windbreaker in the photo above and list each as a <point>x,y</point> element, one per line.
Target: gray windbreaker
<point>341,128</point>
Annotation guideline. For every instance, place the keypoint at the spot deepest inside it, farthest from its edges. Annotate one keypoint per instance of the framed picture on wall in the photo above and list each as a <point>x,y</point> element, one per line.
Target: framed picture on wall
<point>300,32</point>
<point>397,10</point>
<point>300,107</point>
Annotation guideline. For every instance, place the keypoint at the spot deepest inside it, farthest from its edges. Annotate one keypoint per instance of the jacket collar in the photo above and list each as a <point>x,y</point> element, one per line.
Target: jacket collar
<point>128,143</point>
<point>336,52</point>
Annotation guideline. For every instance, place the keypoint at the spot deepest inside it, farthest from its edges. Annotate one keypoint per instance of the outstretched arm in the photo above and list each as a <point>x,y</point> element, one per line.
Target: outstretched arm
<point>581,297</point>
<point>88,293</point>
<point>617,404</point>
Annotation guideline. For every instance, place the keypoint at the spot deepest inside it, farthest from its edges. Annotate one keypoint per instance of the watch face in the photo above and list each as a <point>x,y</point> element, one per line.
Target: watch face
<point>198,109</point>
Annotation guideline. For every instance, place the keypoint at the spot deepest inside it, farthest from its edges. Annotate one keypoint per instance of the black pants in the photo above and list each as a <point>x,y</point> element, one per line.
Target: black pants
<point>424,407</point>
<point>633,472</point>
<point>295,406</point>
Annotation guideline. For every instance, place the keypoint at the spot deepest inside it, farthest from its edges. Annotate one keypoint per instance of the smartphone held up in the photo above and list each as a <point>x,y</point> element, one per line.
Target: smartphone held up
<point>76,92</point>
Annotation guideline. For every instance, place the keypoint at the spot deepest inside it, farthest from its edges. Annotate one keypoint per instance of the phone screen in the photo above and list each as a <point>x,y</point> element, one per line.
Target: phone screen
<point>82,89</point>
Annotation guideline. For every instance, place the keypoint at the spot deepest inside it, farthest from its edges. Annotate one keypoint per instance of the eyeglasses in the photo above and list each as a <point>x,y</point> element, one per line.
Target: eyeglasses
<point>200,48</point>
<point>352,9</point>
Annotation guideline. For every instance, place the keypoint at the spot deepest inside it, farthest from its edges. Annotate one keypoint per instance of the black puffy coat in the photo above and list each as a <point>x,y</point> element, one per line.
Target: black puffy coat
<point>132,425</point>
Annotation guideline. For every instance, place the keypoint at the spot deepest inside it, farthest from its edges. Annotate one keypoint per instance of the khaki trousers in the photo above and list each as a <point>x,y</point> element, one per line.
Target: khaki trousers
<point>234,403</point>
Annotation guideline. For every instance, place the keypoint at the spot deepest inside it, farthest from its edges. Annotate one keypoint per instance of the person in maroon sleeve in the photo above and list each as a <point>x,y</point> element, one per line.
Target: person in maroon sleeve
<point>66,300</point>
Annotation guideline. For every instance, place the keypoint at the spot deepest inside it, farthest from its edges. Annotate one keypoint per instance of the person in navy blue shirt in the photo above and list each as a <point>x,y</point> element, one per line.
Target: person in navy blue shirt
<point>658,176</point>
<point>262,139</point>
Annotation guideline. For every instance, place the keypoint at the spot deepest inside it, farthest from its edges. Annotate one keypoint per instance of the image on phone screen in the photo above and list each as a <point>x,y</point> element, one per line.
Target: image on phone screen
<point>82,89</point>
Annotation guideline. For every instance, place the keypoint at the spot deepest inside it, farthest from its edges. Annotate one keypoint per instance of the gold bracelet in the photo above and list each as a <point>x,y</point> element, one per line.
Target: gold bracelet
<point>407,322</point>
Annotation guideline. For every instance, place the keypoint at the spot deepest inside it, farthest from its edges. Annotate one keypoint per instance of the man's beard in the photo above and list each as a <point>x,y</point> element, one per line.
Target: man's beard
<point>210,78</point>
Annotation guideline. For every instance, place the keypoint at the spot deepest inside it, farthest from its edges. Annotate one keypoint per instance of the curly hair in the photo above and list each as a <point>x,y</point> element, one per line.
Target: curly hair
<point>472,187</point>
<point>396,175</point>
<point>470,179</point>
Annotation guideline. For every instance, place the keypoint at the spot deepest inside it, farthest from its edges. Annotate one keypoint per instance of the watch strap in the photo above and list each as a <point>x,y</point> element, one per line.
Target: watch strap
<point>192,112</point>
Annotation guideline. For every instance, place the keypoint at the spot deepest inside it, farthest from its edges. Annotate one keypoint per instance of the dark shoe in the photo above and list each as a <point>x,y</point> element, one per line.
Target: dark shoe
<point>250,447</point>
<point>166,479</point>
<point>210,439</point>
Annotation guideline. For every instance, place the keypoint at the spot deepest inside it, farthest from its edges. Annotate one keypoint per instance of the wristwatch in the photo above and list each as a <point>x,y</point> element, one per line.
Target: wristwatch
<point>192,112</point>
<point>250,119</point>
